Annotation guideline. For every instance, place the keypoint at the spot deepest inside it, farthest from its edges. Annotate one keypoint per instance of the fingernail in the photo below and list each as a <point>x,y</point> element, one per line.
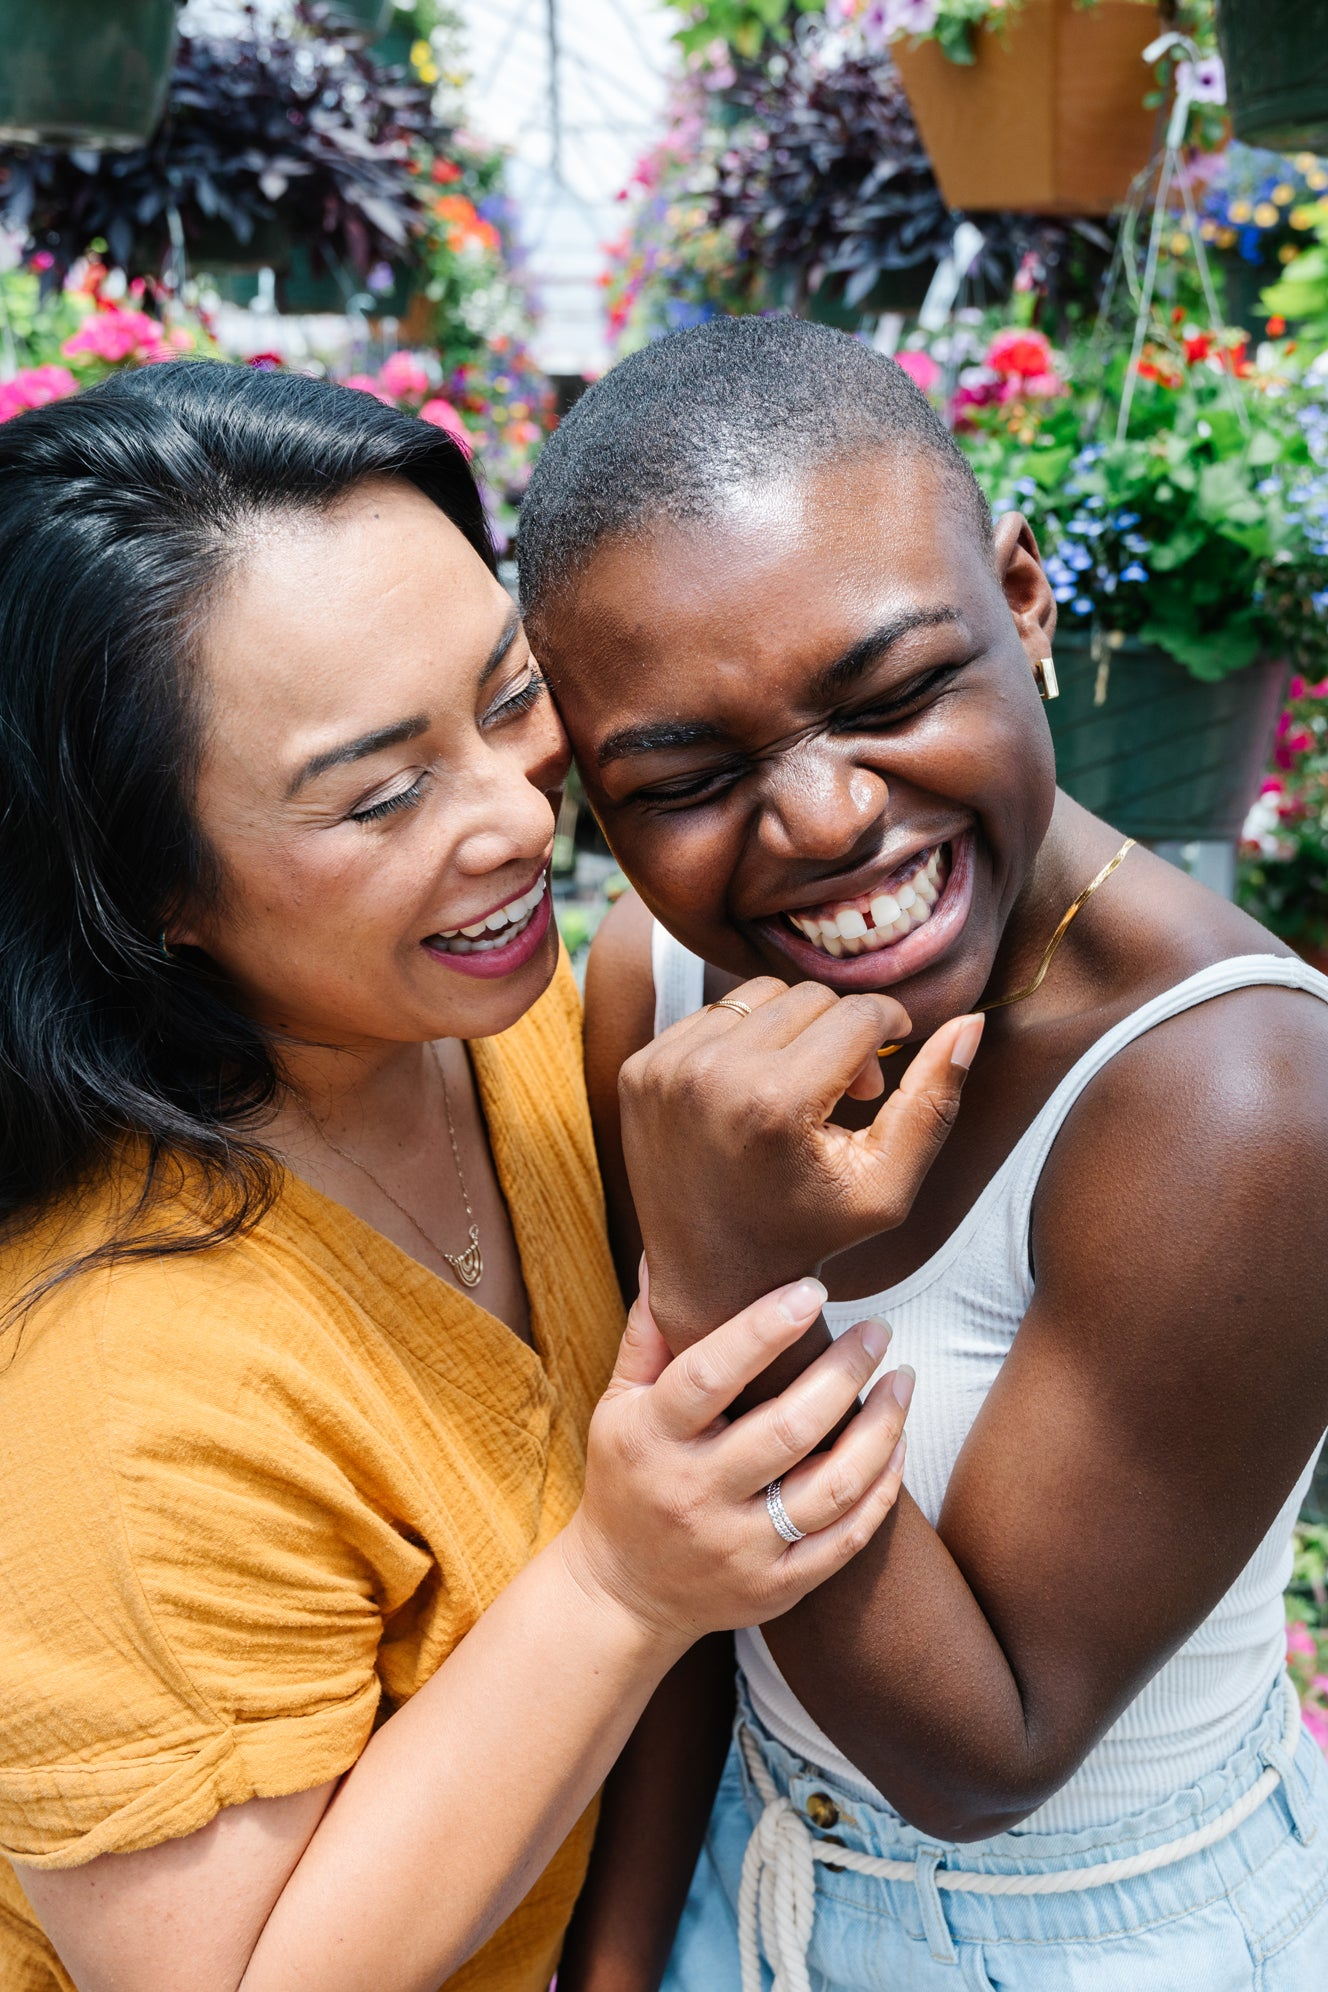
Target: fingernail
<point>967,1042</point>
<point>902,1386</point>
<point>896,1458</point>
<point>801,1300</point>
<point>875,1335</point>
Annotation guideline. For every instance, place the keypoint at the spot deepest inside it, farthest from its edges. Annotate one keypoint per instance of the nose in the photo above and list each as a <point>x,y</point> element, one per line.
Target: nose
<point>516,784</point>
<point>821,803</point>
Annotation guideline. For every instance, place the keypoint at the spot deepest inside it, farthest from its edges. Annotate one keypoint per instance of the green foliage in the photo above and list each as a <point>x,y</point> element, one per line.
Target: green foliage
<point>1198,531</point>
<point>33,327</point>
<point>745,26</point>
<point>1301,295</point>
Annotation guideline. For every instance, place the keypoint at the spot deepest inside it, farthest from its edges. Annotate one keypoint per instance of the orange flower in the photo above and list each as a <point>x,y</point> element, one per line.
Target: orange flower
<point>455,208</point>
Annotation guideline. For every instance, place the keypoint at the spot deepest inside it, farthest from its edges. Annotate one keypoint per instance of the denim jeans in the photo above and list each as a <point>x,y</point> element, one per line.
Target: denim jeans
<point>1249,1914</point>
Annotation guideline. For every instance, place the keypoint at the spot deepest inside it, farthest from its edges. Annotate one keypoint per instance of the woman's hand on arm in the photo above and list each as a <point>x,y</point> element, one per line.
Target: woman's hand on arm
<point>397,1875</point>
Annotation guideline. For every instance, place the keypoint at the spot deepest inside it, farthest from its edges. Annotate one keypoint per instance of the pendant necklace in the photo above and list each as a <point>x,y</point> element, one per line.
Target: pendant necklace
<point>468,1265</point>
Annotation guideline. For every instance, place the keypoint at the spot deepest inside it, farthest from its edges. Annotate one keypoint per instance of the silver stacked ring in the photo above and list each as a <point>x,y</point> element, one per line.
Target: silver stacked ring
<point>779,1514</point>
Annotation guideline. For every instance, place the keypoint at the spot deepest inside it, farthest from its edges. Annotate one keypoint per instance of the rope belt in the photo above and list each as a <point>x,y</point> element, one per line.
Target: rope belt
<point>777,1895</point>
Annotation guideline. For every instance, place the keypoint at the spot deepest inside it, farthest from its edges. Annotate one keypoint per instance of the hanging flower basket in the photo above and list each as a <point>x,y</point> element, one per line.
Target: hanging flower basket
<point>86,74</point>
<point>1163,755</point>
<point>1276,57</point>
<point>1049,117</point>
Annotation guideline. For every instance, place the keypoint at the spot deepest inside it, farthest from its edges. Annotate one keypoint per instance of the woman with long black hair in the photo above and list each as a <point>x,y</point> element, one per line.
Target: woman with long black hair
<point>317,1631</point>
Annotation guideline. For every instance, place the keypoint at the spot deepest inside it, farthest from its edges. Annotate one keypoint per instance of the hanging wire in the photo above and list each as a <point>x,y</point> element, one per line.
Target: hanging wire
<point>1172,170</point>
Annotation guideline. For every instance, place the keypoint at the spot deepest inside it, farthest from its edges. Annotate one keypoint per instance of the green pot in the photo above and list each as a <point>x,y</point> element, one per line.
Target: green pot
<point>1276,56</point>
<point>370,17</point>
<point>216,247</point>
<point>84,73</point>
<point>894,290</point>
<point>1165,755</point>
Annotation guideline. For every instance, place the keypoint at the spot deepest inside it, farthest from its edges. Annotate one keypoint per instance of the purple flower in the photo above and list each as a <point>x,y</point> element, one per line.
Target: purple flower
<point>1206,80</point>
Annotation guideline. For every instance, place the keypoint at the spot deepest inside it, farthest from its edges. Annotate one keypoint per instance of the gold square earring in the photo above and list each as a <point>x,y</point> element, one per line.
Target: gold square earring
<point>1044,677</point>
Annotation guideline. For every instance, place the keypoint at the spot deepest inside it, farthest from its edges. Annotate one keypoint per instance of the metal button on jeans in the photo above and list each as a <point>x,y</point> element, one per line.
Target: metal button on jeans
<point>822,1810</point>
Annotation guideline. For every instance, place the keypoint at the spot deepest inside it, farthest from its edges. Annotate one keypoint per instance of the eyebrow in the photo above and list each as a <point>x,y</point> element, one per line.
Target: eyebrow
<point>860,656</point>
<point>403,729</point>
<point>656,737</point>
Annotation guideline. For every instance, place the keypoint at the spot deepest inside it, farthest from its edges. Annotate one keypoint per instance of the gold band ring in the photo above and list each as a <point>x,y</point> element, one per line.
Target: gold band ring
<point>731,1003</point>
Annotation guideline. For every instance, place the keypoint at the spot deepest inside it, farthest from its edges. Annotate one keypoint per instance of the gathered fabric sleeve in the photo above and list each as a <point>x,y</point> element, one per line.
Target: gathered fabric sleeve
<point>197,1552</point>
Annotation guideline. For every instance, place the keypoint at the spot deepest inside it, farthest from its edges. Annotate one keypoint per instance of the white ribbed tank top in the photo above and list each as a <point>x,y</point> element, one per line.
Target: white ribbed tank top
<point>954,1320</point>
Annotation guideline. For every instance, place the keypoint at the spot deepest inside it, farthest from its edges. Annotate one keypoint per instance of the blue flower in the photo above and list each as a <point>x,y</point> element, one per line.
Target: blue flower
<point>1082,606</point>
<point>1079,559</point>
<point>1124,520</point>
<point>1134,572</point>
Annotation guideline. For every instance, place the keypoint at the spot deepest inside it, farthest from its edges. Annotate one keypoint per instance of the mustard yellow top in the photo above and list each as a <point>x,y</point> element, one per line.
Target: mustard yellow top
<point>251,1498</point>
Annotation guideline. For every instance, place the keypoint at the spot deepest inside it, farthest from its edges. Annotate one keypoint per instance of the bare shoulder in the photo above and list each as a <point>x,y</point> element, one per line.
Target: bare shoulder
<point>1191,1180</point>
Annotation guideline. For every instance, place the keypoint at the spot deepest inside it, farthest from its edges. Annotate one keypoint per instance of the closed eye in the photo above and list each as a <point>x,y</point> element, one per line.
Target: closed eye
<point>405,798</point>
<point>512,704</point>
<point>706,786</point>
<point>887,712</point>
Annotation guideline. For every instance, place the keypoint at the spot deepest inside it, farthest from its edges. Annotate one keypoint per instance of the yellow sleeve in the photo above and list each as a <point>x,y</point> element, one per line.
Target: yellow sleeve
<point>194,1573</point>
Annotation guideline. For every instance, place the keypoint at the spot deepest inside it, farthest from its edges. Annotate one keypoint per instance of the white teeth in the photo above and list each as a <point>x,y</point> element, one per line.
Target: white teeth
<point>893,914</point>
<point>495,930</point>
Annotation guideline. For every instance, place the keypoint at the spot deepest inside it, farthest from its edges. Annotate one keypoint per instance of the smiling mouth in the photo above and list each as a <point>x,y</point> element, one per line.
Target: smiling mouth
<point>897,906</point>
<point>497,929</point>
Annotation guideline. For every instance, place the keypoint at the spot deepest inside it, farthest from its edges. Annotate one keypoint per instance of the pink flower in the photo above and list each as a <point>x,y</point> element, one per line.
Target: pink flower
<point>921,369</point>
<point>404,377</point>
<point>1300,1641</point>
<point>1316,1721</point>
<point>1023,353</point>
<point>444,416</point>
<point>1044,386</point>
<point>366,384</point>
<point>116,335</point>
<point>33,388</point>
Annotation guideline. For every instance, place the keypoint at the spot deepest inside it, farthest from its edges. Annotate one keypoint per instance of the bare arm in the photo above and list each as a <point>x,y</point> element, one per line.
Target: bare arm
<point>1164,1390</point>
<point>394,1879</point>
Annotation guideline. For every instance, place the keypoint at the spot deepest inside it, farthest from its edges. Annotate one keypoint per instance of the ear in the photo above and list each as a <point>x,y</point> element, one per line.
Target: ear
<point>1025,585</point>
<point>183,929</point>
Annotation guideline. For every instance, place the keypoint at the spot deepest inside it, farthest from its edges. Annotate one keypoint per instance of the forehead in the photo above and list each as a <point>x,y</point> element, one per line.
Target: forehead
<point>323,612</point>
<point>774,583</point>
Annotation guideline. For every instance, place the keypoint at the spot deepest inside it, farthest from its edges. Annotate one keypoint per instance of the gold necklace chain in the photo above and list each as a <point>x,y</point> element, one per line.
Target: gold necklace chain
<point>1049,952</point>
<point>468,1265</point>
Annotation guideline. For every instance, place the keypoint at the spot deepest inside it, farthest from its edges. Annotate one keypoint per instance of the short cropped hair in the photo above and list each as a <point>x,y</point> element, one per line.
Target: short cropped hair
<point>675,429</point>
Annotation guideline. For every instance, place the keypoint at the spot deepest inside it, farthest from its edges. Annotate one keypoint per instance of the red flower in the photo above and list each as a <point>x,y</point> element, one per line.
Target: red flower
<point>1022,353</point>
<point>1198,347</point>
<point>1276,325</point>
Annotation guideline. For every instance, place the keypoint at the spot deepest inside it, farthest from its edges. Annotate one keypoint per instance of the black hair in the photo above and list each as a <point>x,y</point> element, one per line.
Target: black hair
<point>121,513</point>
<point>673,429</point>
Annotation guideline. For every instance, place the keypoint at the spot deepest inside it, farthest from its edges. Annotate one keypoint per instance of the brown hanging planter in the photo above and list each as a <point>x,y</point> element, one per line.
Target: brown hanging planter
<point>1049,118</point>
